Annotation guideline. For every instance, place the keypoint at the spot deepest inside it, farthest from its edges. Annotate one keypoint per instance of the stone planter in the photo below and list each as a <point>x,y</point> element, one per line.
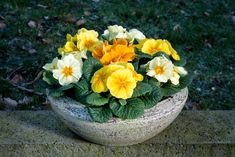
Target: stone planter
<point>117,132</point>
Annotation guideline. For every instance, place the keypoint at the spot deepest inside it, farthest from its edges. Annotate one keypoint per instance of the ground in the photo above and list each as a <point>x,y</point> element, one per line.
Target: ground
<point>203,31</point>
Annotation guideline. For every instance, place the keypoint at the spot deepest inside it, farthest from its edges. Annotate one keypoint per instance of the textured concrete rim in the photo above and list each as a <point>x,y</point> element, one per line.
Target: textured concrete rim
<point>76,117</point>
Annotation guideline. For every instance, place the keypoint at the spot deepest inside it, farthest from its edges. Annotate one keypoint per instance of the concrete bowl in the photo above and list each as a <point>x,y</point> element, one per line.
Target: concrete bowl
<point>118,132</point>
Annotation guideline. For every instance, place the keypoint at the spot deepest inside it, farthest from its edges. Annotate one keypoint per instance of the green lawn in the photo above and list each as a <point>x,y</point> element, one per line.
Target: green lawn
<point>201,30</point>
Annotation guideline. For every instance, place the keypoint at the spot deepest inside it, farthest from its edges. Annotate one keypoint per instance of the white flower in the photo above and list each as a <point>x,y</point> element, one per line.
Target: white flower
<point>115,31</point>
<point>69,70</point>
<point>160,68</point>
<point>135,34</point>
<point>176,74</point>
<point>51,66</point>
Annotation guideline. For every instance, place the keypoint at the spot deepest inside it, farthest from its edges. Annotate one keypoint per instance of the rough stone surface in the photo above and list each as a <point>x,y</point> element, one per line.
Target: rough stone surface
<point>118,132</point>
<point>192,134</point>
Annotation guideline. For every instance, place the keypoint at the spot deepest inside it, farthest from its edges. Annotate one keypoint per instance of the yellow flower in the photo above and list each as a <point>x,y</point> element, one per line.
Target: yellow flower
<point>152,46</point>
<point>120,51</point>
<point>138,77</point>
<point>87,39</point>
<point>98,81</point>
<point>160,68</point>
<point>121,84</point>
<point>68,47</point>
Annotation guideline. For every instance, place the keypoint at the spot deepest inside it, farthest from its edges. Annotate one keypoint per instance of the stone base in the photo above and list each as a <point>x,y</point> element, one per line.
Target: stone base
<point>192,134</point>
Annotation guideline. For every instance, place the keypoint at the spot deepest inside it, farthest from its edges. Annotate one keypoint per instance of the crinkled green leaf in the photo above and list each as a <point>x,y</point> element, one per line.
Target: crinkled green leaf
<point>96,99</point>
<point>133,109</point>
<point>81,88</point>
<point>90,66</point>
<point>100,114</point>
<point>122,102</point>
<point>151,99</point>
<point>57,93</point>
<point>48,78</point>
<point>141,89</point>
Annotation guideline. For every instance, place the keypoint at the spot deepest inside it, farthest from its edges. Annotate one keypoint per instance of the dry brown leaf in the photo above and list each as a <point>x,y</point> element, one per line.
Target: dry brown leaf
<point>32,24</point>
<point>2,25</point>
<point>16,79</point>
<point>80,22</point>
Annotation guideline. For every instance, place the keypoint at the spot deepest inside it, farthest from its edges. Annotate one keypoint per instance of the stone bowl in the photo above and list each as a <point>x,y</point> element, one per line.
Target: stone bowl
<point>118,132</point>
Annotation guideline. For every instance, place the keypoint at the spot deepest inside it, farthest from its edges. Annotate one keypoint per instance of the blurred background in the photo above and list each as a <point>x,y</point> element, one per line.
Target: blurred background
<point>203,31</point>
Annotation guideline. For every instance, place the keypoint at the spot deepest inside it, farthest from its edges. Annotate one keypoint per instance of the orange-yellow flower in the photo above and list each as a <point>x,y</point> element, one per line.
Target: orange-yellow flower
<point>121,84</point>
<point>120,51</point>
<point>152,46</point>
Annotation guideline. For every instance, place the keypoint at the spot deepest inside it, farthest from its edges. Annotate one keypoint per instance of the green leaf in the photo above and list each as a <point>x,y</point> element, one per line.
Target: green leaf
<point>100,114</point>
<point>133,109</point>
<point>161,54</point>
<point>48,78</point>
<point>57,93</point>
<point>141,89</point>
<point>81,88</point>
<point>90,66</point>
<point>151,99</point>
<point>122,102</point>
<point>96,99</point>
<point>182,62</point>
<point>170,89</point>
<point>66,87</point>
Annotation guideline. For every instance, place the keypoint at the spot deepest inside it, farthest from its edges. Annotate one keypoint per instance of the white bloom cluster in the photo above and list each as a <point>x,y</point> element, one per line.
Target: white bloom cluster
<point>116,31</point>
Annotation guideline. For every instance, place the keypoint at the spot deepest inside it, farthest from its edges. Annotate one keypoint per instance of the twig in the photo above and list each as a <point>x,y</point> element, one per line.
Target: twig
<point>13,72</point>
<point>26,89</point>
<point>36,78</point>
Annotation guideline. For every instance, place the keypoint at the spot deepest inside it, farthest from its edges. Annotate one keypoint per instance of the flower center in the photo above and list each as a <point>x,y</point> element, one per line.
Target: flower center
<point>159,70</point>
<point>88,43</point>
<point>67,71</point>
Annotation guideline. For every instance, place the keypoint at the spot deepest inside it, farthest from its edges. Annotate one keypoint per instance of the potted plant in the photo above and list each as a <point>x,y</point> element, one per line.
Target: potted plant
<point>117,89</point>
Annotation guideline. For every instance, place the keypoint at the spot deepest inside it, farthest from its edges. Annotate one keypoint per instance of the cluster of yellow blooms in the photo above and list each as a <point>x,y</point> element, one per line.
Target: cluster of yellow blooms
<point>117,75</point>
<point>119,78</point>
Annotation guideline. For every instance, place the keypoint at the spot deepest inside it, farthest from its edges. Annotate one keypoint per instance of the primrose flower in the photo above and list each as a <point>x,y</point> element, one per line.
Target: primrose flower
<point>51,66</point>
<point>160,68</point>
<point>176,74</point>
<point>99,79</point>
<point>69,47</point>
<point>152,46</point>
<point>115,31</point>
<point>120,51</point>
<point>87,39</point>
<point>121,84</point>
<point>69,70</point>
<point>135,34</point>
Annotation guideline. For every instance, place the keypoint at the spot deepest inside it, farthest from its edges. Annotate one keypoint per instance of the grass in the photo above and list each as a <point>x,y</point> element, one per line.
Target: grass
<point>201,30</point>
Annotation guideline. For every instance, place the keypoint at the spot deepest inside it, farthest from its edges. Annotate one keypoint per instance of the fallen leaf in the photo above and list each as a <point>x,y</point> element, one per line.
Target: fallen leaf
<point>177,27</point>
<point>32,24</point>
<point>47,41</point>
<point>8,103</point>
<point>2,25</point>
<point>80,22</point>
<point>42,6</point>
<point>206,14</point>
<point>70,18</point>
<point>16,79</point>
<point>22,44</point>
<point>87,13</point>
